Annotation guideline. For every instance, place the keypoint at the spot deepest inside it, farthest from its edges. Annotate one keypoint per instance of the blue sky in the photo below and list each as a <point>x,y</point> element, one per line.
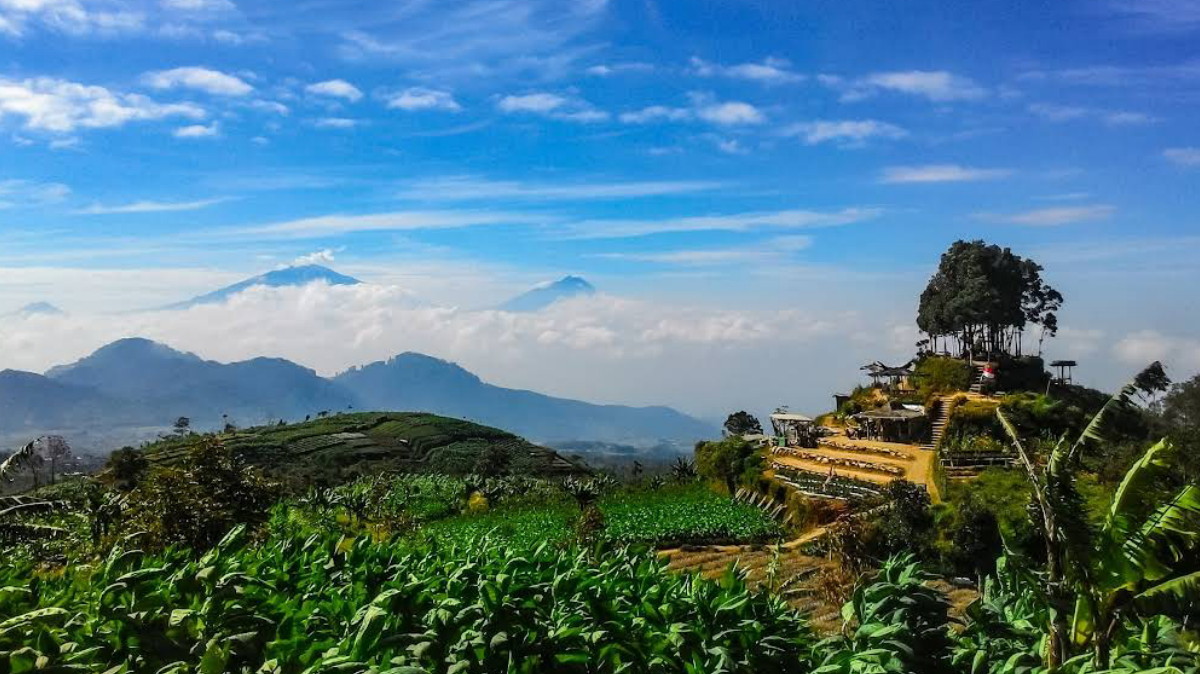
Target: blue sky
<point>742,155</point>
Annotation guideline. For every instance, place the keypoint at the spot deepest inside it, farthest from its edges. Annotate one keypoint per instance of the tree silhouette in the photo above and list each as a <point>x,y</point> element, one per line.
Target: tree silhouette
<point>742,423</point>
<point>983,297</point>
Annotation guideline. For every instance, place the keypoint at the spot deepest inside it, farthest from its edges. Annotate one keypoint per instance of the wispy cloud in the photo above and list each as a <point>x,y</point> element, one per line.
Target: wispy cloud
<point>197,131</point>
<point>335,123</point>
<point>14,193</point>
<point>1164,16</point>
<point>334,89</point>
<point>341,223</point>
<point>471,188</point>
<point>198,79</point>
<point>539,39</point>
<point>940,173</point>
<point>608,69</point>
<point>1183,156</point>
<point>71,17</point>
<point>938,86</point>
<point>1065,113</point>
<point>771,250</point>
<point>704,107</point>
<point>845,132</point>
<point>551,105</point>
<point>1119,75</point>
<point>151,206</point>
<point>790,219</point>
<point>421,98</point>
<point>768,71</point>
<point>61,106</point>
<point>1052,217</point>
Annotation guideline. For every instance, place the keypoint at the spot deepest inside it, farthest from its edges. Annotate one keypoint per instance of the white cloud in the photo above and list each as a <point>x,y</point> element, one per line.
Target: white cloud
<point>72,17</point>
<point>1051,217</point>
<point>847,132</point>
<point>323,256</point>
<point>335,123</point>
<point>704,107</point>
<point>940,173</point>
<point>790,219</point>
<point>656,113</point>
<point>60,106</point>
<point>150,207</point>
<point>599,348</point>
<point>200,79</point>
<point>335,89</point>
<point>607,69</point>
<point>470,188</point>
<point>421,98</point>
<point>273,107</point>
<point>730,113</point>
<point>769,71</point>
<point>17,193</point>
<point>199,5</point>
<point>1141,348</point>
<point>197,131</point>
<point>938,86</point>
<point>553,106</point>
<point>1183,156</point>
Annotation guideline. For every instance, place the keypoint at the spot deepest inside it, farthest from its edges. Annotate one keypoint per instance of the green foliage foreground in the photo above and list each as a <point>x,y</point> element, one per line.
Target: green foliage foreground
<point>325,604</point>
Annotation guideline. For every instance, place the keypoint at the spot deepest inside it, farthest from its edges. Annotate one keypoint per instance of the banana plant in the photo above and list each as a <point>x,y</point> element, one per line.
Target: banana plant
<point>1132,564</point>
<point>14,524</point>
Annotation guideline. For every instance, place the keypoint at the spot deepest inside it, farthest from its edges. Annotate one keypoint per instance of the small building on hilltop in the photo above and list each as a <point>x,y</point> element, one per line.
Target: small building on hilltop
<point>797,430</point>
<point>891,423</point>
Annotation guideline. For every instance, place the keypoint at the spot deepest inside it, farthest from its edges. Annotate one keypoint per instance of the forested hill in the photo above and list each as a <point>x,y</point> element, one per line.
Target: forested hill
<point>339,445</point>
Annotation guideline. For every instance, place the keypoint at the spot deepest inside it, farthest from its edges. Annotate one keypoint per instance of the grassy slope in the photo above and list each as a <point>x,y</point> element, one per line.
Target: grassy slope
<point>401,440</point>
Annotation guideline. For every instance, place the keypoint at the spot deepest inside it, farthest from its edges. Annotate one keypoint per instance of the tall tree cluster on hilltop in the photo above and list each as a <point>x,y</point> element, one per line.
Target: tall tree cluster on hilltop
<point>982,298</point>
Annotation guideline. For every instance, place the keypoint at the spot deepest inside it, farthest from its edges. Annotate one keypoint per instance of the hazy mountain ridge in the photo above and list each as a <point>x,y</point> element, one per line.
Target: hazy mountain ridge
<point>416,381</point>
<point>136,383</point>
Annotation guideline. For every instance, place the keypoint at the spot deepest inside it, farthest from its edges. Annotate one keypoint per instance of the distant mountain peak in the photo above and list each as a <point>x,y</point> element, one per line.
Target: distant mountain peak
<point>544,294</point>
<point>291,276</point>
<point>136,352</point>
<point>40,308</point>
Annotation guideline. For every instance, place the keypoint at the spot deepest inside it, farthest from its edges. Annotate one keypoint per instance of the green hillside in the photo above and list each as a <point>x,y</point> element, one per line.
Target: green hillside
<point>343,443</point>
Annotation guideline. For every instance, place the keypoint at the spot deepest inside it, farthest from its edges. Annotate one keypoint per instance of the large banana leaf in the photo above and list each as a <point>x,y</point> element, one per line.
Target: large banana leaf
<point>24,457</point>
<point>1179,597</point>
<point>1097,429</point>
<point>1140,477</point>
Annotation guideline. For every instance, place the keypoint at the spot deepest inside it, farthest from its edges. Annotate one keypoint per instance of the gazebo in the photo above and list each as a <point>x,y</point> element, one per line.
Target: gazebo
<point>891,424</point>
<point>1064,370</point>
<point>887,376</point>
<point>797,430</point>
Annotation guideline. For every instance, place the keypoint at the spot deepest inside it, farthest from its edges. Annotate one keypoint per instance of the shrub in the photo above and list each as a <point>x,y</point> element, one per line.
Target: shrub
<point>731,461</point>
<point>196,503</point>
<point>936,375</point>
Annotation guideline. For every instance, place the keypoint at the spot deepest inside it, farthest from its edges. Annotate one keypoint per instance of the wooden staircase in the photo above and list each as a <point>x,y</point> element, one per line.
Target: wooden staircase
<point>941,418</point>
<point>977,378</point>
